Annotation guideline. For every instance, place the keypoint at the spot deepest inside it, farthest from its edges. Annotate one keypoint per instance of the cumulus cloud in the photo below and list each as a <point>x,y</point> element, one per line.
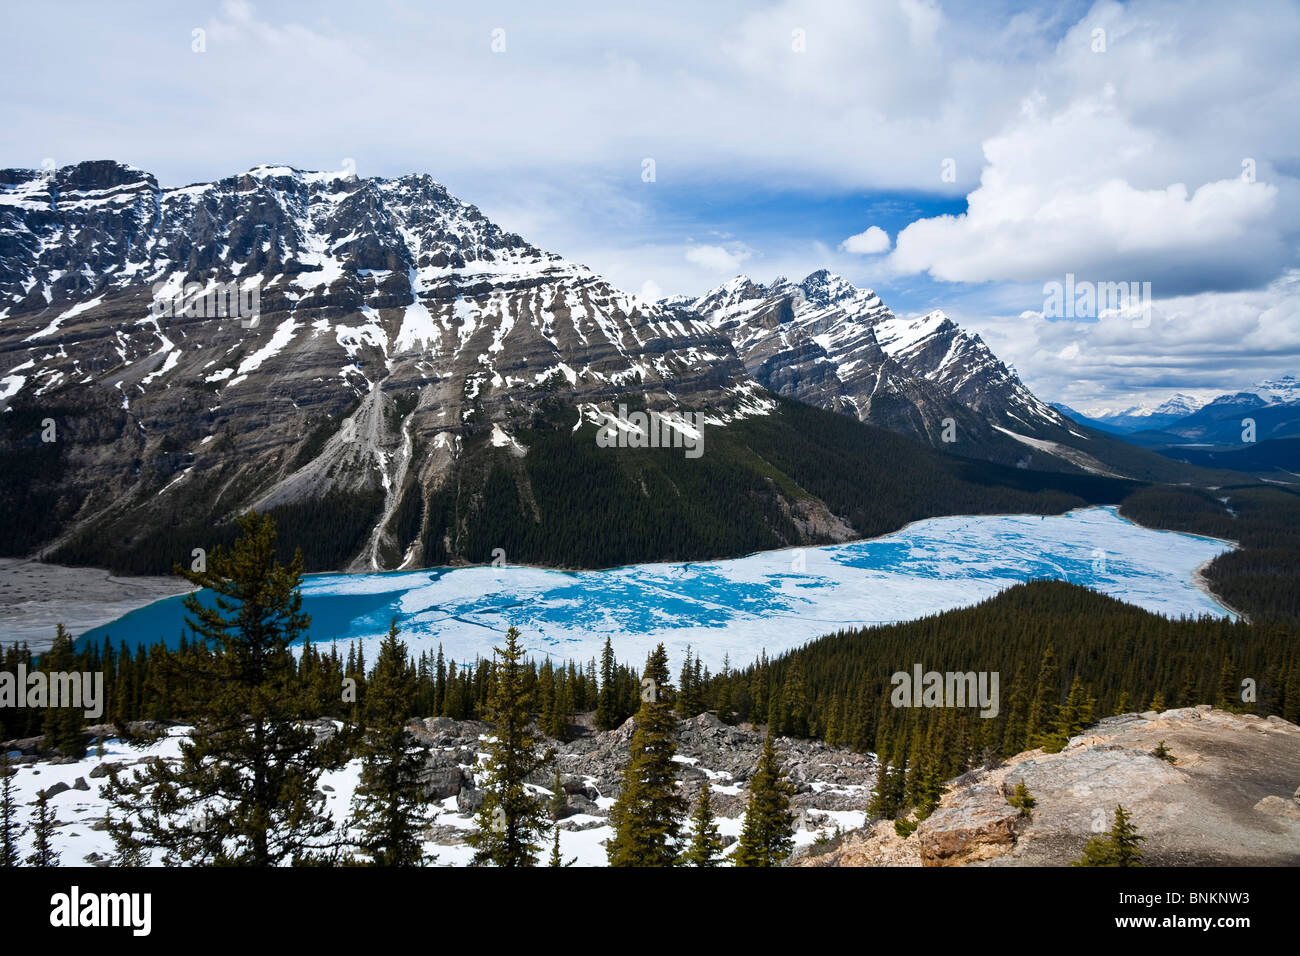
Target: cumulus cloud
<point>717,258</point>
<point>1204,344</point>
<point>1042,210</point>
<point>869,243</point>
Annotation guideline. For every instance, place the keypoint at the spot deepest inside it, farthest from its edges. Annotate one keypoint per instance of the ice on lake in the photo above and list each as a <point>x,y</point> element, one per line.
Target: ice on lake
<point>773,600</point>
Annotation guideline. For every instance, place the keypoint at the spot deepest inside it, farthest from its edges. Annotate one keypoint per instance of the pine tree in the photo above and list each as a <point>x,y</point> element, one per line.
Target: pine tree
<point>1157,702</point>
<point>794,701</point>
<point>43,827</point>
<point>559,800</point>
<point>128,850</point>
<point>1043,707</point>
<point>63,723</point>
<point>1076,714</point>
<point>1022,799</point>
<point>607,705</point>
<point>831,734</point>
<point>1229,689</point>
<point>8,814</point>
<point>1123,705</point>
<point>511,820</point>
<point>706,842</point>
<point>389,807</point>
<point>1119,847</point>
<point>767,835</point>
<point>647,816</point>
<point>244,791</point>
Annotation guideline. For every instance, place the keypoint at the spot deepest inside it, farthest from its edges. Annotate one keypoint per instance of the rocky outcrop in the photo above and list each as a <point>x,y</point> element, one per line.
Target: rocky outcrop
<point>379,327</point>
<point>1229,798</point>
<point>825,342</point>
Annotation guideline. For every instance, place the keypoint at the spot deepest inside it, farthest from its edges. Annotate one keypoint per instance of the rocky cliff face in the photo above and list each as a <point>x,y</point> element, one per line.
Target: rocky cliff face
<point>350,347</point>
<point>376,326</point>
<point>1230,798</point>
<point>824,342</point>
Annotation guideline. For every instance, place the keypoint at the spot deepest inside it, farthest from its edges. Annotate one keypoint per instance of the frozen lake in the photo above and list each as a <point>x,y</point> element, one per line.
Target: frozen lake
<point>774,600</point>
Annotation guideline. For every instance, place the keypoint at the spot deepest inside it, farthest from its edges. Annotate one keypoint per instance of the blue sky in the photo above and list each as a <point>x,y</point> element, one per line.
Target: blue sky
<point>1151,141</point>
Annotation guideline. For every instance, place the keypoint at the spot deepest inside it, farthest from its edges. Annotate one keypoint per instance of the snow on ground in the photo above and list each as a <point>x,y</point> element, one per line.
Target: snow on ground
<point>78,811</point>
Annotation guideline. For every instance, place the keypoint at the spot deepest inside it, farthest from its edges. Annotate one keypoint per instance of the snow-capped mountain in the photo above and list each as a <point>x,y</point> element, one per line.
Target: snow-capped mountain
<point>362,303</point>
<point>825,342</point>
<point>1144,416</point>
<point>369,357</point>
<point>1284,390</point>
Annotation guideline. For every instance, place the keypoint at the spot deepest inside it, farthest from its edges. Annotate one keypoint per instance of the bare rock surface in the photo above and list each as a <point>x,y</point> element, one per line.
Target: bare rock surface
<point>1228,799</point>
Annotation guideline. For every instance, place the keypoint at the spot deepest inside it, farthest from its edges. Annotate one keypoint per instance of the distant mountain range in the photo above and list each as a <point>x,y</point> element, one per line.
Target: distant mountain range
<point>405,383</point>
<point>1254,432</point>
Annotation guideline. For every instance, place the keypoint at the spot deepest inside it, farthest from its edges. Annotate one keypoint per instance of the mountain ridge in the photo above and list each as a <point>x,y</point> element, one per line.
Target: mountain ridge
<point>399,345</point>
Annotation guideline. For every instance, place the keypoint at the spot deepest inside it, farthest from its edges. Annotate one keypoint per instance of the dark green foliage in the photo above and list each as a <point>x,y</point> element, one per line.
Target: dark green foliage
<point>328,531</point>
<point>1119,847</point>
<point>647,816</point>
<point>1064,654</point>
<point>904,827</point>
<point>62,724</point>
<point>511,820</point>
<point>389,807</point>
<point>9,826</point>
<point>1022,799</point>
<point>43,825</point>
<point>767,835</point>
<point>643,504</point>
<point>1163,753</point>
<point>244,790</point>
<point>1262,577</point>
<point>706,844</point>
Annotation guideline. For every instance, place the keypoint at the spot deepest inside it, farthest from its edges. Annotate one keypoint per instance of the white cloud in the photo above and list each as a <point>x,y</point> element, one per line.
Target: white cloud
<point>1204,344</point>
<point>1043,210</point>
<point>869,243</point>
<point>717,258</point>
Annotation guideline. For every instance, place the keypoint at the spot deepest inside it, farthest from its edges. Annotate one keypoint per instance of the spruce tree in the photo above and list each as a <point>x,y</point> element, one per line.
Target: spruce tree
<point>511,820</point>
<point>1119,847</point>
<point>62,724</point>
<point>244,791</point>
<point>1022,799</point>
<point>128,850</point>
<point>1043,707</point>
<point>767,835</point>
<point>389,807</point>
<point>43,826</point>
<point>647,816</point>
<point>794,700</point>
<point>1071,719</point>
<point>706,843</point>
<point>559,800</point>
<point>8,814</point>
<point>607,703</point>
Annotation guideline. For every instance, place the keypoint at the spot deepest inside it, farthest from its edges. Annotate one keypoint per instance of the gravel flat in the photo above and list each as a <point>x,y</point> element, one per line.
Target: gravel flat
<point>36,597</point>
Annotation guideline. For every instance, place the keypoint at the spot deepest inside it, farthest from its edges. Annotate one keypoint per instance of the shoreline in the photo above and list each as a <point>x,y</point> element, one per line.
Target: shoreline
<point>35,597</point>
<point>30,610</point>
